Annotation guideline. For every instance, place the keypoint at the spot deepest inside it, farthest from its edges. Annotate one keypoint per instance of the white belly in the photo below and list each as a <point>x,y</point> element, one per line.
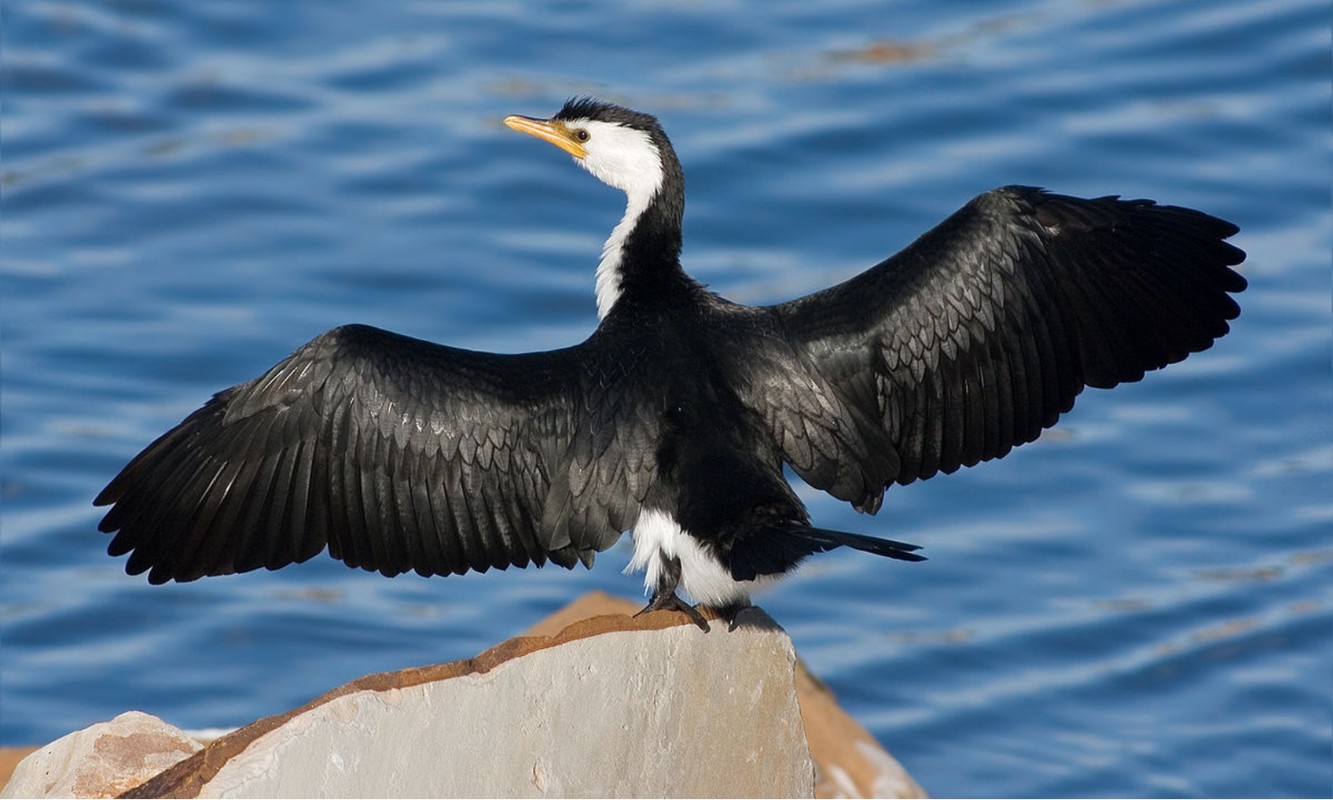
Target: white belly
<point>658,537</point>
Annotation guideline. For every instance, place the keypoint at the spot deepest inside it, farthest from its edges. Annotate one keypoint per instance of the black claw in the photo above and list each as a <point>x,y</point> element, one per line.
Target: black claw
<point>672,602</point>
<point>731,611</point>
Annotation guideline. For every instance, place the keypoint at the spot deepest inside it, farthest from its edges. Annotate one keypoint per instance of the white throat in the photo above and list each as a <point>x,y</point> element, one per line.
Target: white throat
<point>608,269</point>
<point>628,160</point>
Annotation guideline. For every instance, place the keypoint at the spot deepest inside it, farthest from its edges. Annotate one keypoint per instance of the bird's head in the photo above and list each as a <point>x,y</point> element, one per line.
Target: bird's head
<point>627,150</point>
<point>622,148</point>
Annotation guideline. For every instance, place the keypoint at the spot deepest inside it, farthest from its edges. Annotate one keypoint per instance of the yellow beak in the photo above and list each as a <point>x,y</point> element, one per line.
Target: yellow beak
<point>550,131</point>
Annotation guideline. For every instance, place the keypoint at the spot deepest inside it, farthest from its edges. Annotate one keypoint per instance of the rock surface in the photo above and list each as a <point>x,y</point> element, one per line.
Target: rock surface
<point>101,760</point>
<point>605,708</point>
<point>590,703</point>
<point>849,762</point>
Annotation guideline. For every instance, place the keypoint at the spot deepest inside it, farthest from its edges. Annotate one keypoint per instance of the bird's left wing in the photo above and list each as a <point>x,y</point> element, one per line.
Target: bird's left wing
<point>981,333</point>
<point>395,453</point>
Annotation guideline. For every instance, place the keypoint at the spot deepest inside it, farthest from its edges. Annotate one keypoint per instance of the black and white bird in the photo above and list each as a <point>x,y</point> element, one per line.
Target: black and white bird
<point>674,419</point>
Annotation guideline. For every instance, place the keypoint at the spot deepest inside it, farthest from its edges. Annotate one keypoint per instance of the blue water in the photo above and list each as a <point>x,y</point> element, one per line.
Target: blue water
<point>1136,604</point>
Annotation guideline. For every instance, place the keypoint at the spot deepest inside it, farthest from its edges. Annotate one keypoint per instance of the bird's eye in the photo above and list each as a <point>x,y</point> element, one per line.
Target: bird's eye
<point>582,135</point>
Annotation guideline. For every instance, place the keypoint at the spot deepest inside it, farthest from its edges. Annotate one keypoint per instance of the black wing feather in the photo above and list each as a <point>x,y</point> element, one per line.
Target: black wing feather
<point>395,454</point>
<point>982,332</point>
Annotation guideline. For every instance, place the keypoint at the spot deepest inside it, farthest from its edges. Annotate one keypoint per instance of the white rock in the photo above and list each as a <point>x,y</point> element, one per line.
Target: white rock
<point>101,760</point>
<point>591,703</point>
<point>668,713</point>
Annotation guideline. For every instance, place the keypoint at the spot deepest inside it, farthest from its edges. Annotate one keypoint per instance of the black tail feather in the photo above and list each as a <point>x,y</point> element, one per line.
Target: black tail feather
<point>869,544</point>
<point>778,548</point>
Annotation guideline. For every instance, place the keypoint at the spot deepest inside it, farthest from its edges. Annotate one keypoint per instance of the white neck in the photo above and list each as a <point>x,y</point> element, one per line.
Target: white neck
<point>628,160</point>
<point>608,269</point>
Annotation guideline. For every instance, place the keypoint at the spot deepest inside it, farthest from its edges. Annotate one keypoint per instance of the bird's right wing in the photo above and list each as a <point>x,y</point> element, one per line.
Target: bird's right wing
<point>981,333</point>
<point>395,453</point>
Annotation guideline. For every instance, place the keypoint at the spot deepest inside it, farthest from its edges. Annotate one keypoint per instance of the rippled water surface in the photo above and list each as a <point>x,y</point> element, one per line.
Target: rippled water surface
<point>1136,604</point>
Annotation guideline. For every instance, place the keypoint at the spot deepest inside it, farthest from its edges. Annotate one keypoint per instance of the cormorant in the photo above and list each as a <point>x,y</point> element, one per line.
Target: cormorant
<point>675,417</point>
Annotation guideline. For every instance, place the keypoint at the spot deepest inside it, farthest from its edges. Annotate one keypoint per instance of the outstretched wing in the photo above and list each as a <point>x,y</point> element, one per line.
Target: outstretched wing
<point>396,454</point>
<point>981,333</point>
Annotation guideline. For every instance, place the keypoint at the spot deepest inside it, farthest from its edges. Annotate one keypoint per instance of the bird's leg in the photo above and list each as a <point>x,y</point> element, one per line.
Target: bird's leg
<point>665,597</point>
